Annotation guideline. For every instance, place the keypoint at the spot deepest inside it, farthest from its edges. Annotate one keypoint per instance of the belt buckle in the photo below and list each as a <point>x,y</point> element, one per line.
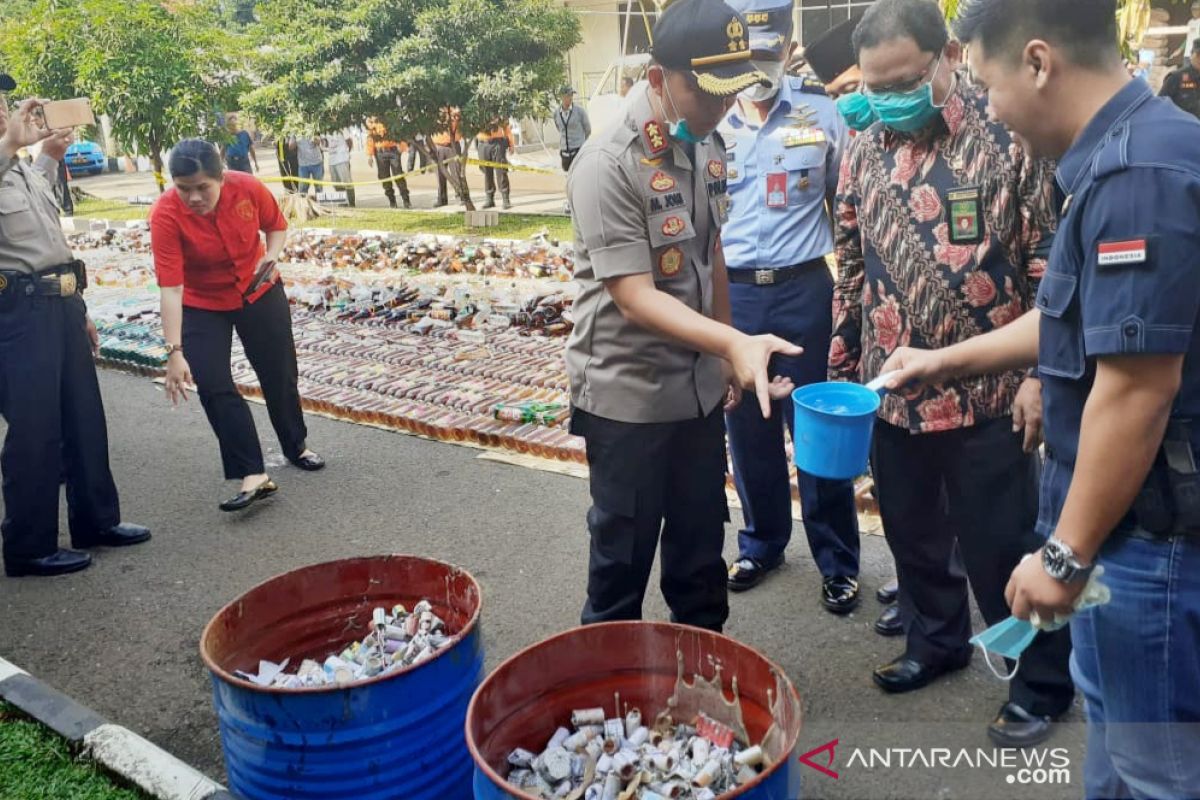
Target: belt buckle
<point>67,284</point>
<point>764,277</point>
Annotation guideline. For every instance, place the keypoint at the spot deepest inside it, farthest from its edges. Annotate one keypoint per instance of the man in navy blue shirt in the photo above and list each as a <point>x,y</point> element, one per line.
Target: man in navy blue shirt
<point>1114,337</point>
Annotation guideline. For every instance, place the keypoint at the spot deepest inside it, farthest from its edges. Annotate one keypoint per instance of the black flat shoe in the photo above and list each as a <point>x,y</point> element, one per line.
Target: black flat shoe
<point>121,535</point>
<point>311,462</point>
<point>889,623</point>
<point>839,594</point>
<point>905,674</point>
<point>1016,727</point>
<point>246,499</point>
<point>888,593</point>
<point>59,563</point>
<point>746,573</point>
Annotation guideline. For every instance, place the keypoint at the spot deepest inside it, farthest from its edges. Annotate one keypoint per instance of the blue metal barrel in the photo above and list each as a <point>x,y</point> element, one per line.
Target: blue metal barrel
<point>398,735</point>
<point>522,702</point>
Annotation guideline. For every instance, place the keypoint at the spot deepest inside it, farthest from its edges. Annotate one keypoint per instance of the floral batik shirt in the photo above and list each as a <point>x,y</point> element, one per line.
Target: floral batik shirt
<point>940,237</point>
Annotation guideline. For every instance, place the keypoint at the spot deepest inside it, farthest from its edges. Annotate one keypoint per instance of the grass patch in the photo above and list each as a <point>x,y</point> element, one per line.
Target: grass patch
<point>36,764</point>
<point>512,226</point>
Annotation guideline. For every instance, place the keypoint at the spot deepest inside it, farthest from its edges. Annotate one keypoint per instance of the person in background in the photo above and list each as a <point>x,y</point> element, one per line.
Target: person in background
<point>574,126</point>
<point>448,146</point>
<point>495,145</point>
<point>1115,337</point>
<point>337,148</point>
<point>626,85</point>
<point>785,141</point>
<point>312,163</point>
<point>385,154</point>
<point>286,151</point>
<point>944,224</point>
<point>65,201</point>
<point>49,393</point>
<point>514,125</point>
<point>205,235</point>
<point>239,151</point>
<point>1182,86</point>
<point>414,151</point>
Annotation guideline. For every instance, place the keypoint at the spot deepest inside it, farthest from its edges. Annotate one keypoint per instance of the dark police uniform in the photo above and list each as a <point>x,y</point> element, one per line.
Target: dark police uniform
<point>49,395</point>
<point>1183,87</point>
<point>650,408</point>
<point>1124,279</point>
<point>775,244</point>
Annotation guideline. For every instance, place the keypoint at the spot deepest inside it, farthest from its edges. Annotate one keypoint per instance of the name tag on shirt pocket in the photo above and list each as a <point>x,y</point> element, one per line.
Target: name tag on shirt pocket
<point>1060,340</point>
<point>17,221</point>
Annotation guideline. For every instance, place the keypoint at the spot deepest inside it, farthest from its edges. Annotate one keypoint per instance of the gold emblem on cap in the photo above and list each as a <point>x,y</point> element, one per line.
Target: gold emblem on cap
<point>736,33</point>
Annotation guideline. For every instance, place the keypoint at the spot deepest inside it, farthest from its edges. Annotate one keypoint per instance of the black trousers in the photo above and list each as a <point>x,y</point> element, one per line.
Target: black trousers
<point>451,167</point>
<point>652,481</point>
<point>289,166</point>
<point>412,158</point>
<point>50,398</point>
<point>494,150</point>
<point>990,506</point>
<point>388,165</point>
<point>265,329</point>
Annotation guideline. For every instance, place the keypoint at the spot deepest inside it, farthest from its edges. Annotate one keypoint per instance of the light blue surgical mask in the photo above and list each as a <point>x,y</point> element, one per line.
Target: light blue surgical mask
<point>907,112</point>
<point>679,129</point>
<point>1007,638</point>
<point>856,110</point>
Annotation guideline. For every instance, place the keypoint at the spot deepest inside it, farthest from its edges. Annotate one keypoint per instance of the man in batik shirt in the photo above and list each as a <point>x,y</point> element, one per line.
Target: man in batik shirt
<point>943,228</point>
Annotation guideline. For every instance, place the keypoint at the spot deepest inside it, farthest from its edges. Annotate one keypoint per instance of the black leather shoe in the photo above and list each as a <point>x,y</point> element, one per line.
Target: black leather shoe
<point>905,674</point>
<point>1016,727</point>
<point>839,594</point>
<point>888,592</point>
<point>746,573</point>
<point>246,499</point>
<point>59,563</point>
<point>889,623</point>
<point>311,462</point>
<point>120,535</point>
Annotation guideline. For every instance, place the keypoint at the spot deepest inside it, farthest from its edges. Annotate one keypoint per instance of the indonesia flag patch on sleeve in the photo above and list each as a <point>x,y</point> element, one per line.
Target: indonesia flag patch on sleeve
<point>1130,251</point>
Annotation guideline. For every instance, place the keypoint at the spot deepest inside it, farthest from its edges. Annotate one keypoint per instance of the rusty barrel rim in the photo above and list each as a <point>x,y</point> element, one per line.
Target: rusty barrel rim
<point>482,764</point>
<point>242,683</point>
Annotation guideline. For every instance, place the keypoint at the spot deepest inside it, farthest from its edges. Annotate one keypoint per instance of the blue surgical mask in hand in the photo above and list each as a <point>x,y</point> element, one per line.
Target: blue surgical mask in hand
<point>856,110</point>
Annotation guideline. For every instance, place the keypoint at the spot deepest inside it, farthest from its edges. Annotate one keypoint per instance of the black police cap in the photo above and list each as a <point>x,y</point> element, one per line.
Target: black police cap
<point>832,53</point>
<point>710,40</point>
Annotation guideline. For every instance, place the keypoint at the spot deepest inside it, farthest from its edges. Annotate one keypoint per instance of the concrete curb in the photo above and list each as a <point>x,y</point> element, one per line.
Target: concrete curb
<point>117,748</point>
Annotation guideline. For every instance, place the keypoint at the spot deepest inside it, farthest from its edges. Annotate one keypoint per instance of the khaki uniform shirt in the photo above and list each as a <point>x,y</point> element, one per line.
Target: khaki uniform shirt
<point>31,237</point>
<point>640,206</point>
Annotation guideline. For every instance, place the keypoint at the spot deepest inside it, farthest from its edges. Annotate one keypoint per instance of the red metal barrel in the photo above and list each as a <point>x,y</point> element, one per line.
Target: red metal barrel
<point>529,695</point>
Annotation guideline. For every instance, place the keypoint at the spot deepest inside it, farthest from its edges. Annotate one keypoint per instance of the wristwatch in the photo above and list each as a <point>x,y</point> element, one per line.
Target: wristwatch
<point>174,348</point>
<point>1060,562</point>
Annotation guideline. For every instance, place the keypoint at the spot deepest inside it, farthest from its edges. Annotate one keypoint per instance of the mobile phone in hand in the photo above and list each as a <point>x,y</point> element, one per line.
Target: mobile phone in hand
<point>61,114</point>
<point>260,277</point>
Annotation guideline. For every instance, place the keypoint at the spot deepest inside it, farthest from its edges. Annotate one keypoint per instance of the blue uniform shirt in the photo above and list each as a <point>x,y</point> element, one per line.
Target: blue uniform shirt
<point>1124,270</point>
<point>778,175</point>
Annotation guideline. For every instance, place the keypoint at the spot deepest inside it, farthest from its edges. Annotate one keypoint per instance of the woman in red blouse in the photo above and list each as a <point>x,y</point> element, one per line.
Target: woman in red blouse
<point>204,233</point>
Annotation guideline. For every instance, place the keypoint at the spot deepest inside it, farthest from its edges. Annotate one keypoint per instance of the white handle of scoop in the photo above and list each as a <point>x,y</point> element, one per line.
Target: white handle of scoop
<point>880,383</point>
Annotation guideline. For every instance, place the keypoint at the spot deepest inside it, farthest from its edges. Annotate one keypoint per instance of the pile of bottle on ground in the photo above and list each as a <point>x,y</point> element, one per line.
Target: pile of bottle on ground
<point>397,640</point>
<point>607,759</point>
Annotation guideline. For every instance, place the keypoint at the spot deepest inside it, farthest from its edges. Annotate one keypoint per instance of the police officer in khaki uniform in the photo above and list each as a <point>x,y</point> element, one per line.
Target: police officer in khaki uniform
<point>652,360</point>
<point>49,395</point>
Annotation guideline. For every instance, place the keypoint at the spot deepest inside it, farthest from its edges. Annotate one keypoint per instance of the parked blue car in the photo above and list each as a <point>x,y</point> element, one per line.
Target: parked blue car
<point>85,158</point>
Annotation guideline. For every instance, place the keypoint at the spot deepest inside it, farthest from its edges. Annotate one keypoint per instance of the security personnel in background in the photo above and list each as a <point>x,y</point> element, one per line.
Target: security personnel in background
<point>494,145</point>
<point>652,359</point>
<point>1116,341</point>
<point>385,153</point>
<point>49,395</point>
<point>1183,85</point>
<point>784,141</point>
<point>447,147</point>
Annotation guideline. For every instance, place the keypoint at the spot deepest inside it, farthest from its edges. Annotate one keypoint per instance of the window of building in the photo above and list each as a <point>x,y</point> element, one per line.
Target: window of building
<point>818,16</point>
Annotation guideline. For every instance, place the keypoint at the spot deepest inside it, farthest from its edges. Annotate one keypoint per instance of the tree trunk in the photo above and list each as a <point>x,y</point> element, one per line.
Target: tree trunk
<point>157,163</point>
<point>462,178</point>
<point>459,186</point>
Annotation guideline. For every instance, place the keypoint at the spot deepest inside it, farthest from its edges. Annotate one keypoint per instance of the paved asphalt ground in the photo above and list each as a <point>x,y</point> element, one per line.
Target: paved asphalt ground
<point>122,636</point>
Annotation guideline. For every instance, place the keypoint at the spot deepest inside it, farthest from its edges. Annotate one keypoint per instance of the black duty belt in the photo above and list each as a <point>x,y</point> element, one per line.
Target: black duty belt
<point>770,277</point>
<point>64,280</point>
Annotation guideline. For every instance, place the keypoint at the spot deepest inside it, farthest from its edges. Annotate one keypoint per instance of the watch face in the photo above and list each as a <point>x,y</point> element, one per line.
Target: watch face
<point>1054,560</point>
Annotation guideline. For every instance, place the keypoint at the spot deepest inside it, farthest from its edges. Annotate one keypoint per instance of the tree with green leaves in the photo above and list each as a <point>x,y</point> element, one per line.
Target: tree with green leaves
<point>158,73</point>
<point>325,64</point>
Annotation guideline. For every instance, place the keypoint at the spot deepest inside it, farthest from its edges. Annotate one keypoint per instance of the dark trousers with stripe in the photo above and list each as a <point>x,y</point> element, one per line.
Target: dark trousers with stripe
<point>989,487</point>
<point>265,329</point>
<point>651,483</point>
<point>50,398</point>
<point>388,164</point>
<point>799,310</point>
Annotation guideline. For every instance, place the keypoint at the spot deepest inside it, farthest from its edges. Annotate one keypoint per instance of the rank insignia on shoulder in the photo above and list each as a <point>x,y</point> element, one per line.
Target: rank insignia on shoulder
<point>716,168</point>
<point>673,226</point>
<point>812,85</point>
<point>656,140</point>
<point>1129,251</point>
<point>670,261</point>
<point>661,182</point>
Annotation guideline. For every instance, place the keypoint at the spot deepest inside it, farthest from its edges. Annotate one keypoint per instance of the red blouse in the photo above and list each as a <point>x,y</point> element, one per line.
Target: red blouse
<point>214,256</point>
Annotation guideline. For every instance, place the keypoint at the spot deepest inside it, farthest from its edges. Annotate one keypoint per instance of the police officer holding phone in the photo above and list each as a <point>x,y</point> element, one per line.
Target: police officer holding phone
<point>49,394</point>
